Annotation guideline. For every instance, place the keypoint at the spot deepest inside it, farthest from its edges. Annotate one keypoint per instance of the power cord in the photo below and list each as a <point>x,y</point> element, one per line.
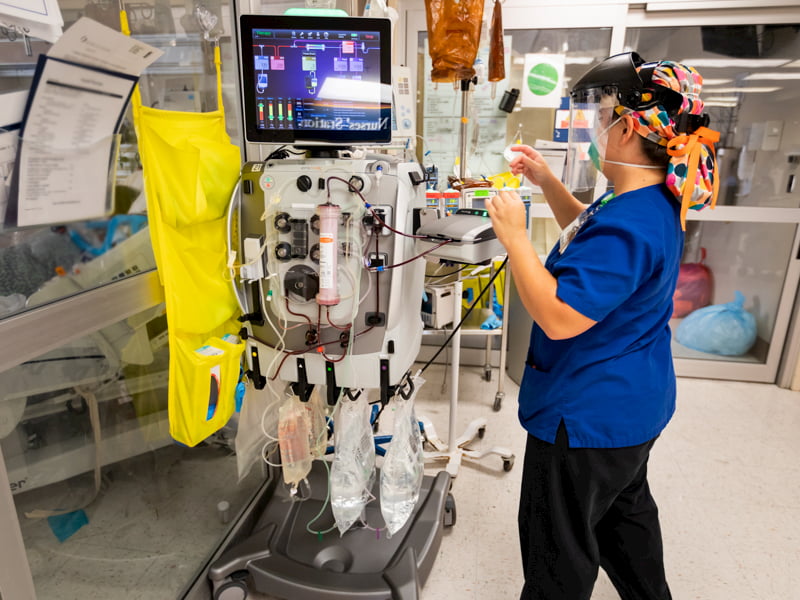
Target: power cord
<point>466,314</point>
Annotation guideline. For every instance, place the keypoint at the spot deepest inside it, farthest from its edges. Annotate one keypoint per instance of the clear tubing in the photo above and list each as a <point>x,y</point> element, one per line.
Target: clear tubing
<point>328,253</point>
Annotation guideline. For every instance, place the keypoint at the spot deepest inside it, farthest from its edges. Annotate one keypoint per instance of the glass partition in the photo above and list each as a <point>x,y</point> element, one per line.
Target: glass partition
<point>41,265</point>
<point>491,129</point>
<point>84,431</point>
<point>751,89</point>
<point>109,506</point>
<point>722,260</point>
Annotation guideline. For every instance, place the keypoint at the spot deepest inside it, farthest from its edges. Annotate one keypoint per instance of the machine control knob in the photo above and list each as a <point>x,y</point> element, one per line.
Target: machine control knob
<point>283,251</point>
<point>282,222</point>
<point>356,183</point>
<point>304,183</point>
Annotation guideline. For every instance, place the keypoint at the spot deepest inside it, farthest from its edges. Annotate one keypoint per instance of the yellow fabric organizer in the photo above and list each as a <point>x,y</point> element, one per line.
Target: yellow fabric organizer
<point>190,168</point>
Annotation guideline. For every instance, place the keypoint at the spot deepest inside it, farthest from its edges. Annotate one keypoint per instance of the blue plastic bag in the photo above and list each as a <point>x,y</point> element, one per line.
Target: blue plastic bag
<point>726,329</point>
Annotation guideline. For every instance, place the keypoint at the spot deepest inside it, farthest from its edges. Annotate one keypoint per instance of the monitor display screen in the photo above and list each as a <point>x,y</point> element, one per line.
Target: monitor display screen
<point>316,80</point>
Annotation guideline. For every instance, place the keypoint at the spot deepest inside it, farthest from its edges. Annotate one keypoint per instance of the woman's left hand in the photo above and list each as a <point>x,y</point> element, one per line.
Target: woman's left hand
<point>508,217</point>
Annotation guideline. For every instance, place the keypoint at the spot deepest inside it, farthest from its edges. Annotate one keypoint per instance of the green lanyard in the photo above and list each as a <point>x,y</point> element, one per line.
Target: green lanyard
<point>571,230</point>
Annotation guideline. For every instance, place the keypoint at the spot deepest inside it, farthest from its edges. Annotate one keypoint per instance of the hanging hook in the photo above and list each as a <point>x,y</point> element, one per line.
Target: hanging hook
<point>352,394</point>
<point>12,31</point>
<point>208,22</point>
<point>9,32</point>
<point>27,41</point>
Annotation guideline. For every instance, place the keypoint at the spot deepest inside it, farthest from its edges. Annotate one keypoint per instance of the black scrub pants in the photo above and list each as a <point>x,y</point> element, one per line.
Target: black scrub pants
<point>584,508</point>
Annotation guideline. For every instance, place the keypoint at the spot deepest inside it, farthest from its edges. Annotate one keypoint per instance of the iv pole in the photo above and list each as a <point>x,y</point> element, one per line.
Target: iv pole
<point>464,129</point>
<point>456,446</point>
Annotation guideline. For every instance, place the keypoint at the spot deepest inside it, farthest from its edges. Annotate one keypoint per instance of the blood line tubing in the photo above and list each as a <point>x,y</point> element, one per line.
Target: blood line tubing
<point>328,244</point>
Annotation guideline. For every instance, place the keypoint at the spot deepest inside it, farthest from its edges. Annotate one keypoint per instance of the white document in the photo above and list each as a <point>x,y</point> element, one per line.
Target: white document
<point>68,139</point>
<point>12,108</point>
<point>555,158</point>
<point>91,43</point>
<point>68,143</point>
<point>35,18</point>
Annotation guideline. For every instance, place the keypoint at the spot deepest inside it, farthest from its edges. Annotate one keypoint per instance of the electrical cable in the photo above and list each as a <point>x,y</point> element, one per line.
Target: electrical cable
<point>466,314</point>
<point>436,276</point>
<point>413,258</point>
<point>282,153</point>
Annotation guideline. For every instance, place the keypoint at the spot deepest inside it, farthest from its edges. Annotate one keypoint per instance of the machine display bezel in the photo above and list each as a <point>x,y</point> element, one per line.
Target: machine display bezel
<point>334,136</point>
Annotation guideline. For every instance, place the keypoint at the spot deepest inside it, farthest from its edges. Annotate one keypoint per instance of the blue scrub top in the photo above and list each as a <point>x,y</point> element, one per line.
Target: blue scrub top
<point>614,384</point>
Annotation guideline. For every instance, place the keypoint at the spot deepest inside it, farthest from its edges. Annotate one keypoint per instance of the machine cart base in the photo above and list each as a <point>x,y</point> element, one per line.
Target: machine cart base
<point>281,558</point>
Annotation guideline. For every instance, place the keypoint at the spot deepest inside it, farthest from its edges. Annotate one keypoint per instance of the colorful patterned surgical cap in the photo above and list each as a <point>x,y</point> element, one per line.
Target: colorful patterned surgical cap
<point>691,174</point>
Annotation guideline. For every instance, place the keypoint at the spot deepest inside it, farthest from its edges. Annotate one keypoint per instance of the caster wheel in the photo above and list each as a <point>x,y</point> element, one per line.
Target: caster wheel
<point>507,464</point>
<point>231,590</point>
<point>498,401</point>
<point>481,432</point>
<point>449,511</point>
<point>487,374</point>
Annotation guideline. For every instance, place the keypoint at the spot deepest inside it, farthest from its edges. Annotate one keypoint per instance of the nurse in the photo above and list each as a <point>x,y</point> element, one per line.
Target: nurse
<point>599,385</point>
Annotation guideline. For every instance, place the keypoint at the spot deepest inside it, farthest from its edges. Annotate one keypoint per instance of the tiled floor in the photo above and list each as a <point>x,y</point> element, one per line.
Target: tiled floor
<point>725,474</point>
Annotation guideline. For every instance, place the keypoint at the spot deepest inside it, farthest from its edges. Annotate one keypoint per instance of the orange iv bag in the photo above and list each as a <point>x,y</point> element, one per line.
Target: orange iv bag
<point>454,31</point>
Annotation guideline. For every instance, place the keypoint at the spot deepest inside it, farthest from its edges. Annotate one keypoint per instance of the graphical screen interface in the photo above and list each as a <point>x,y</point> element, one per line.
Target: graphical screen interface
<point>317,80</point>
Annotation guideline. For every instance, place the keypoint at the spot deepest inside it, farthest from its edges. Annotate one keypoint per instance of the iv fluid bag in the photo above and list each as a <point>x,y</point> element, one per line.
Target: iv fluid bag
<point>317,425</point>
<point>403,467</point>
<point>497,65</point>
<point>293,440</point>
<point>454,32</point>
<point>353,470</point>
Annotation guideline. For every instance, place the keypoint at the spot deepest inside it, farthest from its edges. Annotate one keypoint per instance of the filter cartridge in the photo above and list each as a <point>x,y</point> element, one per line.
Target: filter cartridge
<point>328,242</point>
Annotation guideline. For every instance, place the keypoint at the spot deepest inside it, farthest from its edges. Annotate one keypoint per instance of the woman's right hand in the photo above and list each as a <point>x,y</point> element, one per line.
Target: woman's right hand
<point>531,164</point>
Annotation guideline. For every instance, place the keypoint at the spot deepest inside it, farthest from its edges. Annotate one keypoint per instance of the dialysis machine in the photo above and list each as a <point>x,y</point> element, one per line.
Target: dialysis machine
<point>330,291</point>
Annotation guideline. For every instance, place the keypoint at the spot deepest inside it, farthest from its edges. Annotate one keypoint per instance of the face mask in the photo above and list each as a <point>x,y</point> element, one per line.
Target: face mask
<point>595,150</point>
<point>594,156</point>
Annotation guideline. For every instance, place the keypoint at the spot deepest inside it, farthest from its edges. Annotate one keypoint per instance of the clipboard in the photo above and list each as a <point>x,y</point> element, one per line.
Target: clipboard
<point>68,144</point>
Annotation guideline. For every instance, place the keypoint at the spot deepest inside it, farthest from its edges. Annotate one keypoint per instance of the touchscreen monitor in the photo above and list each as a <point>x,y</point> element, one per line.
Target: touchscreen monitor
<point>316,80</point>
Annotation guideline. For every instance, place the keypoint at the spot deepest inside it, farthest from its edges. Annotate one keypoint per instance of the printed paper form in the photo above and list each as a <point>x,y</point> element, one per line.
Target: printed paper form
<point>64,158</point>
<point>90,43</point>
<point>12,107</point>
<point>68,132</point>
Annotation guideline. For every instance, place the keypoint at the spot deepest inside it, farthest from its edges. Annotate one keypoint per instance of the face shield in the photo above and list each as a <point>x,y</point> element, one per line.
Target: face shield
<point>592,113</point>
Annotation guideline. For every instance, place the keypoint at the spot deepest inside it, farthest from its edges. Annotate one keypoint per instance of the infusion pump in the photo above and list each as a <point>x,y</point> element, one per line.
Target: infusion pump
<point>326,279</point>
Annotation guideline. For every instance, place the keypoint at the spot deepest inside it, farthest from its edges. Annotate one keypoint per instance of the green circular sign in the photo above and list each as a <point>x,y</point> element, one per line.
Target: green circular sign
<point>542,79</point>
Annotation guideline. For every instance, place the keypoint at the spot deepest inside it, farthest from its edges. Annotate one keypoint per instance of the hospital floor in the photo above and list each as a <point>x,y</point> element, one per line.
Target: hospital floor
<point>725,474</point>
